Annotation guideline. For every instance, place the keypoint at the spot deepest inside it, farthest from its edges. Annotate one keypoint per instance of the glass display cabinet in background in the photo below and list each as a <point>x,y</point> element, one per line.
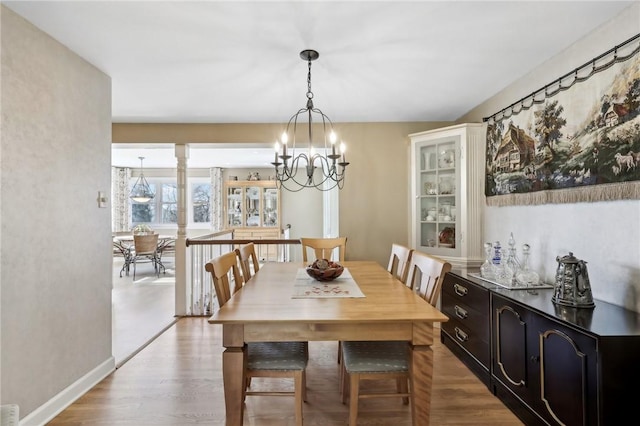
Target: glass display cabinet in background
<point>252,210</point>
<point>447,193</point>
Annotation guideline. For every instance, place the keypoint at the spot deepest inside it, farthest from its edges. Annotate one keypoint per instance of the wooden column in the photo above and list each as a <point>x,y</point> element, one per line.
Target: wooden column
<point>182,155</point>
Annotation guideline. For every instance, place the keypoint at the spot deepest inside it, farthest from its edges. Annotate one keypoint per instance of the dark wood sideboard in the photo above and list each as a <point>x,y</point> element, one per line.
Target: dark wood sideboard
<point>551,365</point>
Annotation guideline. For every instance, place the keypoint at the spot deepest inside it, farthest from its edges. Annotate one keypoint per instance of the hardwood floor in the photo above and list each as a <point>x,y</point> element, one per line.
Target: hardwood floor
<point>177,380</point>
<point>141,309</point>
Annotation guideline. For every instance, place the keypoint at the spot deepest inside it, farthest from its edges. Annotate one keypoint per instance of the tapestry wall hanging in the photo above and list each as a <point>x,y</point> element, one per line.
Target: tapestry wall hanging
<point>575,140</point>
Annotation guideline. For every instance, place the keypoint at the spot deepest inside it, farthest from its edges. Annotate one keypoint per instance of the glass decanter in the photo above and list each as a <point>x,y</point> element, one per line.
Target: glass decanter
<point>526,276</point>
<point>487,269</point>
<point>504,273</point>
<point>496,259</point>
<point>512,259</point>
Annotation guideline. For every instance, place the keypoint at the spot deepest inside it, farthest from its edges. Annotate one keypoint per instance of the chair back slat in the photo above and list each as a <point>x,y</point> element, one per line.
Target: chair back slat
<point>323,248</point>
<point>145,244</point>
<point>247,256</point>
<point>426,274</point>
<point>224,269</point>
<point>399,261</point>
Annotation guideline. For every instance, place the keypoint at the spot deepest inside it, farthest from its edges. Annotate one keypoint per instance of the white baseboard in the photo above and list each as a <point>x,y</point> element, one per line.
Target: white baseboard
<point>47,411</point>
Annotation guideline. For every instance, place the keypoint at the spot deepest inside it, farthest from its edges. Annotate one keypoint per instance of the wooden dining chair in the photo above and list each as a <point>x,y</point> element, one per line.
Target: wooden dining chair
<point>225,276</point>
<point>145,248</point>
<point>398,267</point>
<point>362,360</point>
<point>248,260</point>
<point>399,261</point>
<point>264,359</point>
<point>323,248</point>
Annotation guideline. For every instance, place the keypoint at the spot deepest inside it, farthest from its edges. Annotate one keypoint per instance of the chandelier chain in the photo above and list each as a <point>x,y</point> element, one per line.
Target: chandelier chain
<point>309,92</point>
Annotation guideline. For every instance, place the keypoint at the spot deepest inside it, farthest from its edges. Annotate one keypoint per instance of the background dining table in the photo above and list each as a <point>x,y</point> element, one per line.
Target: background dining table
<point>123,244</point>
<point>128,238</point>
<point>265,309</point>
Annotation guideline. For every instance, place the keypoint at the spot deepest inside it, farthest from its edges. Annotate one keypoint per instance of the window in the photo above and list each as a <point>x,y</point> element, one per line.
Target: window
<point>162,211</point>
<point>201,202</point>
<point>169,203</point>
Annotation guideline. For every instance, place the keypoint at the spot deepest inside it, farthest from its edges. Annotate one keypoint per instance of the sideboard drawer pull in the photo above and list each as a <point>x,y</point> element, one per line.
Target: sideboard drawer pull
<point>460,313</point>
<point>460,290</point>
<point>461,335</point>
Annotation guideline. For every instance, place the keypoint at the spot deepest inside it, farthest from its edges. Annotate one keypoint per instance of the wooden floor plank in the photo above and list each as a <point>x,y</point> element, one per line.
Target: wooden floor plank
<point>177,380</point>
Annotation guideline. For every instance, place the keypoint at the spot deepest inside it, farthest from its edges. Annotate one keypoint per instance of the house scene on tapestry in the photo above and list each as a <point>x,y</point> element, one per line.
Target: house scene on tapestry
<point>583,130</point>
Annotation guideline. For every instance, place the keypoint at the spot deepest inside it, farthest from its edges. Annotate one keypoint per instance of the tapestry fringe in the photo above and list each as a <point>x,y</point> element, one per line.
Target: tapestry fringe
<point>586,194</point>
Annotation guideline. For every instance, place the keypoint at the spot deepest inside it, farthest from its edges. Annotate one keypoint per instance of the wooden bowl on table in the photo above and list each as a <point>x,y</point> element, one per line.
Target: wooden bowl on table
<point>324,270</point>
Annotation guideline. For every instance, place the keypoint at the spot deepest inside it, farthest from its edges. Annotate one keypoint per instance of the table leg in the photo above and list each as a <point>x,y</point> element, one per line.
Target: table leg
<point>234,380</point>
<point>421,369</point>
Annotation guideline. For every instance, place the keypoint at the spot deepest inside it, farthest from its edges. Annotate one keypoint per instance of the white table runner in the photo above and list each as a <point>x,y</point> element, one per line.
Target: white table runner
<point>306,287</point>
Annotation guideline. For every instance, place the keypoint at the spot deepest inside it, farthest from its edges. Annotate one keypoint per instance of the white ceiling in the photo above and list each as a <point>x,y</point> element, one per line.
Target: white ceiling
<point>237,61</point>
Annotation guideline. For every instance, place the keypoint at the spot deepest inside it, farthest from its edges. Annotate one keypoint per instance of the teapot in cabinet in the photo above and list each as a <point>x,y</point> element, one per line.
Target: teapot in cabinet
<point>572,287</point>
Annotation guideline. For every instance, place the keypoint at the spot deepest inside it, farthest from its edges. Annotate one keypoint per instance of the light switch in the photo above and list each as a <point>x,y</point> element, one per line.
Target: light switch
<point>102,200</point>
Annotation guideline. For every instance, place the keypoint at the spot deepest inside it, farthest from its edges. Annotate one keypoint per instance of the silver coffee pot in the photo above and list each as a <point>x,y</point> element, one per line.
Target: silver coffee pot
<point>572,286</point>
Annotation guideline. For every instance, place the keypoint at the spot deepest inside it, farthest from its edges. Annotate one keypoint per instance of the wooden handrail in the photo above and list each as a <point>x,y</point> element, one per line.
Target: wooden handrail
<point>196,242</point>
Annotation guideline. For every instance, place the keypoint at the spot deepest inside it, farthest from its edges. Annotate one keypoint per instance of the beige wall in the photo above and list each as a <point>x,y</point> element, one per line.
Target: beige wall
<point>55,309</point>
<point>374,203</point>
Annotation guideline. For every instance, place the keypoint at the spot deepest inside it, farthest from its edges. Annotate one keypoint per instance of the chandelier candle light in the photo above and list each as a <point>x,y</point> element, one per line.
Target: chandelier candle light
<point>141,191</point>
<point>317,156</point>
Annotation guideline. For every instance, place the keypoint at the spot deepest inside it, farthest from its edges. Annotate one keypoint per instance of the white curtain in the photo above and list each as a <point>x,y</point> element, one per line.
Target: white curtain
<point>216,198</point>
<point>120,198</point>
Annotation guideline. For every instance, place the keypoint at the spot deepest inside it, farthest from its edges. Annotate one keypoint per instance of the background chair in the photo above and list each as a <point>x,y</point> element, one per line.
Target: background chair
<point>248,259</point>
<point>264,359</point>
<point>399,261</point>
<point>377,360</point>
<point>145,248</point>
<point>323,248</point>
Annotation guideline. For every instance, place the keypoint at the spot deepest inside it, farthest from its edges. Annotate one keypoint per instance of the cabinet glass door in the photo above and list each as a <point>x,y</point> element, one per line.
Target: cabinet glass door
<point>437,185</point>
<point>270,207</point>
<point>252,205</point>
<point>234,207</point>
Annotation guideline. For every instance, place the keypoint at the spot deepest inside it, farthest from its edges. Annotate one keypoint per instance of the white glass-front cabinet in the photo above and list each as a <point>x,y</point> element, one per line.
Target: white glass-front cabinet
<point>447,193</point>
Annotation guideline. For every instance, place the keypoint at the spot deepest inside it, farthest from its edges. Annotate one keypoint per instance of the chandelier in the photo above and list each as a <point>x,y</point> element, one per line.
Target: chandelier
<point>141,191</point>
<point>320,154</point>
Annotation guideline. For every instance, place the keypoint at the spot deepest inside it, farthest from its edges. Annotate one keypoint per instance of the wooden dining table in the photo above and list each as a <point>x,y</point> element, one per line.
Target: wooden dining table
<point>264,309</point>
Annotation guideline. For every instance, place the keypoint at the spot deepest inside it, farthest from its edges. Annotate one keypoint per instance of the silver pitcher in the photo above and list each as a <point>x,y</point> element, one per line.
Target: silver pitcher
<point>572,286</point>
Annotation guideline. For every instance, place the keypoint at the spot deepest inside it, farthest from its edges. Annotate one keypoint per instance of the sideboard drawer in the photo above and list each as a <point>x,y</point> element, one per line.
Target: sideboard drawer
<point>466,292</point>
<point>468,331</point>
<point>472,342</point>
<point>474,320</point>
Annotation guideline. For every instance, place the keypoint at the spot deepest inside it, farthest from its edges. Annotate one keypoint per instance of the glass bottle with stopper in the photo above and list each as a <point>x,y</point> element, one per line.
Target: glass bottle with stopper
<point>512,261</point>
<point>526,276</point>
<point>487,268</point>
<point>504,273</point>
